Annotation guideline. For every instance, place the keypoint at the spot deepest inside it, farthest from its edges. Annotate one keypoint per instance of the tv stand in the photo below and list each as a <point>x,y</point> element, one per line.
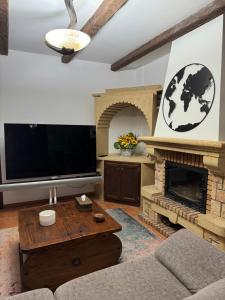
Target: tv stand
<point>52,195</point>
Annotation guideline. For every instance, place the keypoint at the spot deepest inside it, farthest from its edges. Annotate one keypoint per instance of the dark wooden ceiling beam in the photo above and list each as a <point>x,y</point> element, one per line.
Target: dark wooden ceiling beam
<point>4,27</point>
<point>206,14</point>
<point>104,13</point>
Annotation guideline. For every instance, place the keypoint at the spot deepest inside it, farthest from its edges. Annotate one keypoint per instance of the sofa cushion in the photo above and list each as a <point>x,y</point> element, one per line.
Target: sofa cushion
<point>194,261</point>
<point>142,279</point>
<point>214,291</point>
<point>40,294</point>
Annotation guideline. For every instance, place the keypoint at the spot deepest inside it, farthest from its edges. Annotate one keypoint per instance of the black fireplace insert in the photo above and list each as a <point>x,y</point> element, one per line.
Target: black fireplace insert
<point>187,185</point>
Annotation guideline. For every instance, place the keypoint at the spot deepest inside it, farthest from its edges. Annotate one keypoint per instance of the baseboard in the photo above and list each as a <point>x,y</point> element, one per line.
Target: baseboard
<point>45,201</point>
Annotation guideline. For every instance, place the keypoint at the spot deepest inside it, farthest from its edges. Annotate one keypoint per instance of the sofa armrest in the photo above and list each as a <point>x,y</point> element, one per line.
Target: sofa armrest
<point>194,261</point>
<point>214,291</point>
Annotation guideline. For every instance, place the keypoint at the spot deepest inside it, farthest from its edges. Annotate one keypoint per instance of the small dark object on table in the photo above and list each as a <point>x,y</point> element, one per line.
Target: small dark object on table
<point>99,218</point>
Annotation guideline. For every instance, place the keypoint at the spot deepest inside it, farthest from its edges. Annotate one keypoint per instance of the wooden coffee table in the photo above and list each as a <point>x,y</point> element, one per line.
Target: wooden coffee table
<point>74,246</point>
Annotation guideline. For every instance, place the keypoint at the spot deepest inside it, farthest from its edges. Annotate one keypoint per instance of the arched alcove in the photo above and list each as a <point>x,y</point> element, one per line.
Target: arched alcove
<point>129,119</point>
<point>108,104</point>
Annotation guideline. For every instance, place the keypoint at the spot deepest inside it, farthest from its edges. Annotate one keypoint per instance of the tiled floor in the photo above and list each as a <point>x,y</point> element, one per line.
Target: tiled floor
<point>9,216</point>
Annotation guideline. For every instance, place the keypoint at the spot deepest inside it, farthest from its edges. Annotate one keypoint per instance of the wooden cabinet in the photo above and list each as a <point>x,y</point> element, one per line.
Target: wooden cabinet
<point>123,177</point>
<point>122,182</point>
<point>112,177</point>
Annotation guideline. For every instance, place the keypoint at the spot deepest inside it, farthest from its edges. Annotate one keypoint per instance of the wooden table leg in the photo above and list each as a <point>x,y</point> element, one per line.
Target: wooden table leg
<point>21,267</point>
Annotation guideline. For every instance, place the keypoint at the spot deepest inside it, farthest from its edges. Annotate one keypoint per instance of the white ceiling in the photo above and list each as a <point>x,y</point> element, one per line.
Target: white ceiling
<point>136,23</point>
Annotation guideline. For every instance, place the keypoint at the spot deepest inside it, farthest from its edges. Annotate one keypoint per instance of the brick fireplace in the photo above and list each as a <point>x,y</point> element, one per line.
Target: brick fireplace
<point>189,187</point>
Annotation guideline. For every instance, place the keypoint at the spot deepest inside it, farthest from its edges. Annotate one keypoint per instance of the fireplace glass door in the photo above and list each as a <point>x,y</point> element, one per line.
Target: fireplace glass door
<point>187,184</point>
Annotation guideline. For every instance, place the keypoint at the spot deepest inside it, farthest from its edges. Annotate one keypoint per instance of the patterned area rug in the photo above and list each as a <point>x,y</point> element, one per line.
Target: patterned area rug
<point>136,239</point>
<point>9,262</point>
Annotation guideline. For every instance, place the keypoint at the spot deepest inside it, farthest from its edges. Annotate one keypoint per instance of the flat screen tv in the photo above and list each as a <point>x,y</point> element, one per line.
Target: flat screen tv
<point>49,151</point>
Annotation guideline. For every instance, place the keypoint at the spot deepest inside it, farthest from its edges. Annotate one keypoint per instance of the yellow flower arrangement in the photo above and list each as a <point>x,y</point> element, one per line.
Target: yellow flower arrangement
<point>126,141</point>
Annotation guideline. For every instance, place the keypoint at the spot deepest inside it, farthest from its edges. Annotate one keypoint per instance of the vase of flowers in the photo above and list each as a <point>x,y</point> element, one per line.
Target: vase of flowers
<point>126,143</point>
<point>126,152</point>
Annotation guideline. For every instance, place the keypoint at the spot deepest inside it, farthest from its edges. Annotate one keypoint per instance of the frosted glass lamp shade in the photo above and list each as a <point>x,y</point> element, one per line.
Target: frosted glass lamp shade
<point>67,41</point>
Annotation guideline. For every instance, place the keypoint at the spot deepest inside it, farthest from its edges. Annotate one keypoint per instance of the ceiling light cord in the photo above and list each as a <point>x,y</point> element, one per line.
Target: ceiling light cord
<point>72,14</point>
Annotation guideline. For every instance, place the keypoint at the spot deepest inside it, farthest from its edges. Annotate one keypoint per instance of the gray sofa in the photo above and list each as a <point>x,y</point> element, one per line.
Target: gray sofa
<point>183,267</point>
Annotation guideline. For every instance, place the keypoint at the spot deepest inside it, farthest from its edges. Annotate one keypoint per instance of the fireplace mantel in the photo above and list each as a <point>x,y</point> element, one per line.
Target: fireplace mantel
<point>202,146</point>
<point>213,152</point>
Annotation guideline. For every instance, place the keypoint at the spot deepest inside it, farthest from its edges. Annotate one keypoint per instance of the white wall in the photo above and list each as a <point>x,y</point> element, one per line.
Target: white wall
<point>38,88</point>
<point>154,72</point>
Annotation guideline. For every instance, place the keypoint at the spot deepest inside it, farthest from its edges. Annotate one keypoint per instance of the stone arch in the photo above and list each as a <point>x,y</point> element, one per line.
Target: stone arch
<point>106,117</point>
<point>112,101</point>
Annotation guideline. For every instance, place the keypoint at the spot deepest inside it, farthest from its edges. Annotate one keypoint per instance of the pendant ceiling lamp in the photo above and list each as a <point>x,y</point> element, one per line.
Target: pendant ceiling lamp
<point>67,41</point>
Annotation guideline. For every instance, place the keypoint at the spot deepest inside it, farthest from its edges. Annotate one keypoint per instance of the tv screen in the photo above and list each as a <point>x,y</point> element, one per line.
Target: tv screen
<point>37,150</point>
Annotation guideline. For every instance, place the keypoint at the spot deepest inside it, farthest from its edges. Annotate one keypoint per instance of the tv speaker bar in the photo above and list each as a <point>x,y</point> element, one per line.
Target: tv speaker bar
<point>80,181</point>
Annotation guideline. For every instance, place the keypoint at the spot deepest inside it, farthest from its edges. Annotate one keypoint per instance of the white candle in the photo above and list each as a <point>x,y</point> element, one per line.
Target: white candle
<point>47,217</point>
<point>83,198</point>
